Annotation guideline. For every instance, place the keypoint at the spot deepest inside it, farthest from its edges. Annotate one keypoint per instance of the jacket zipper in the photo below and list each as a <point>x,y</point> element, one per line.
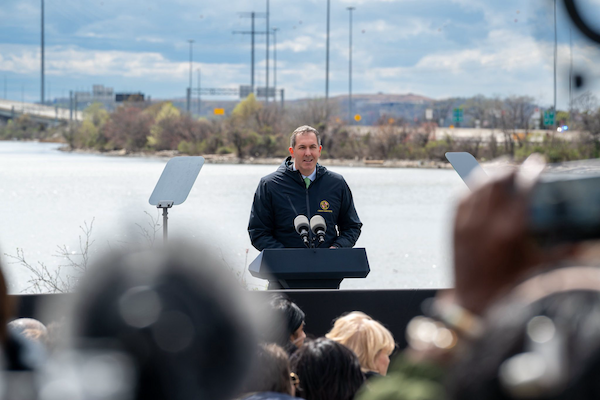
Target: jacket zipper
<point>310,234</point>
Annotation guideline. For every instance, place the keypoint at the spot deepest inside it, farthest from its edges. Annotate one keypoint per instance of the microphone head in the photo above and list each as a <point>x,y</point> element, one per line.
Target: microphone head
<point>301,223</point>
<point>317,223</point>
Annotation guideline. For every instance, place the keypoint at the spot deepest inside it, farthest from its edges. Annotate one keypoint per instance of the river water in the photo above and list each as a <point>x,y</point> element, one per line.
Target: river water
<point>47,195</point>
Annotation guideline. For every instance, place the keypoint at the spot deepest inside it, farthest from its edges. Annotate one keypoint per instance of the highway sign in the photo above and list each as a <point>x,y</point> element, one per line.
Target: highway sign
<point>429,114</point>
<point>457,114</point>
<point>549,118</point>
<point>219,111</point>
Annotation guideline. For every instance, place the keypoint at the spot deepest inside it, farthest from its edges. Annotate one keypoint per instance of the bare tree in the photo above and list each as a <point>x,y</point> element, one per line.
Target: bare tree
<point>519,110</point>
<point>66,276</point>
<point>311,112</point>
<point>480,108</point>
<point>585,102</point>
<point>442,108</point>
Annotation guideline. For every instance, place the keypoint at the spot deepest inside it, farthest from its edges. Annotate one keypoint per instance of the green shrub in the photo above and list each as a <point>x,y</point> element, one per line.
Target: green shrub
<point>225,150</point>
<point>556,150</point>
<point>192,148</point>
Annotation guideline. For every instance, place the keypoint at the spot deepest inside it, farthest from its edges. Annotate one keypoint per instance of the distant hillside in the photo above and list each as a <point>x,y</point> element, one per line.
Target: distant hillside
<point>371,107</point>
<point>387,98</point>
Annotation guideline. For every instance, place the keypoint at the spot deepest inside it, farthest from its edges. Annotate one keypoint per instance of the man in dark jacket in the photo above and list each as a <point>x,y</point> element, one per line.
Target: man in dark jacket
<point>300,186</point>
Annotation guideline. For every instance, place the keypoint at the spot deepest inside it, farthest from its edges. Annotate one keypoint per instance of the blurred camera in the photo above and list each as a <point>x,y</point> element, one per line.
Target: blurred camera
<point>565,209</point>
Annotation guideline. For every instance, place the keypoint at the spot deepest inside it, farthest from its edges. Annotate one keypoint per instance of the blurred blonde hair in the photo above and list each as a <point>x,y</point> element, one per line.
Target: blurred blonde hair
<point>364,336</point>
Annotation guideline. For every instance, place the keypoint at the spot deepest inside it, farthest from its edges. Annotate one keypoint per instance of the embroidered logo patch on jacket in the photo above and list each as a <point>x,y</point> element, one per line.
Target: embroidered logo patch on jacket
<point>324,206</point>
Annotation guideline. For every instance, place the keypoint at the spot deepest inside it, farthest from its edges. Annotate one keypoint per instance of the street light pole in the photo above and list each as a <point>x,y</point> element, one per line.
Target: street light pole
<point>350,9</point>
<point>267,80</point>
<point>42,66</point>
<point>555,58</point>
<point>199,103</point>
<point>570,72</point>
<point>275,63</point>
<point>327,65</point>
<point>189,92</point>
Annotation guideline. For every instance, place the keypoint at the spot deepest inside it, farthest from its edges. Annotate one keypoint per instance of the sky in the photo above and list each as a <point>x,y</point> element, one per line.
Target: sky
<point>434,48</point>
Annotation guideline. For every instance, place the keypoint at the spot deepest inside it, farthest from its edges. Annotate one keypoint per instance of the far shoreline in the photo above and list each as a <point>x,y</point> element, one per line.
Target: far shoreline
<point>232,159</point>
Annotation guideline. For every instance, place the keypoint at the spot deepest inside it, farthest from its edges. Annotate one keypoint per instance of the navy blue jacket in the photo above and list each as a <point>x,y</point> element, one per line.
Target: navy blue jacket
<point>269,396</point>
<point>282,195</point>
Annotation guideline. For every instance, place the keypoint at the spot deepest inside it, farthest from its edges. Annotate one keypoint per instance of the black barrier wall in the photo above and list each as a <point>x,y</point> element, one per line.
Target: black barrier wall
<point>393,308</point>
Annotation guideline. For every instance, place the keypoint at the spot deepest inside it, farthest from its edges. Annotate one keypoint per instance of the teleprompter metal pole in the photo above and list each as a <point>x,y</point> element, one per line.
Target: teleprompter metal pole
<point>165,230</point>
<point>165,205</point>
<point>165,223</point>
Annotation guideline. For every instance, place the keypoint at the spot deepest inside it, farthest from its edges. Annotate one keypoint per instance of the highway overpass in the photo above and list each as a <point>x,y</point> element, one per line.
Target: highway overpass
<point>48,115</point>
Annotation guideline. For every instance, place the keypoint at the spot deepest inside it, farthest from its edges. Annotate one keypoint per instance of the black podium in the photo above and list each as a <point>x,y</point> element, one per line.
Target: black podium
<point>309,268</point>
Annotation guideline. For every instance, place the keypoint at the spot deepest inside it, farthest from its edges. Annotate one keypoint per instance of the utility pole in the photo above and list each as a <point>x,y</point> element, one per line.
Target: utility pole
<point>199,107</point>
<point>252,32</point>
<point>275,63</point>
<point>268,34</point>
<point>350,9</point>
<point>189,91</point>
<point>42,69</point>
<point>555,57</point>
<point>327,64</point>
<point>570,72</point>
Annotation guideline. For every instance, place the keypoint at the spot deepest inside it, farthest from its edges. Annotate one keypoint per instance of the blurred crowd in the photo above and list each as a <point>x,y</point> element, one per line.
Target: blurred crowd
<point>522,322</point>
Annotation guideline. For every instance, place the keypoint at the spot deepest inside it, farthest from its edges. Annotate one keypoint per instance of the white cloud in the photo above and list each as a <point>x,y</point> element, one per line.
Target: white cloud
<point>503,63</point>
<point>502,50</point>
<point>498,14</point>
<point>370,2</point>
<point>301,43</point>
<point>149,39</point>
<point>400,30</point>
<point>74,61</point>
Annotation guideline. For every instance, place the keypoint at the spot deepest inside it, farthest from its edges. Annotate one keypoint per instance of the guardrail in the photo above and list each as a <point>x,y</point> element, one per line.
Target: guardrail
<point>50,113</point>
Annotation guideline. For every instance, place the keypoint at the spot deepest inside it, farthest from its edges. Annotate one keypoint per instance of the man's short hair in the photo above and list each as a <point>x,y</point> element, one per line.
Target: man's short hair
<point>301,131</point>
<point>364,336</point>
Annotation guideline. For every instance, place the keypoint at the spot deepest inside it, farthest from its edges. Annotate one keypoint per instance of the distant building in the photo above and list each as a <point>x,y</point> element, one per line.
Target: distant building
<point>99,94</point>
<point>121,97</point>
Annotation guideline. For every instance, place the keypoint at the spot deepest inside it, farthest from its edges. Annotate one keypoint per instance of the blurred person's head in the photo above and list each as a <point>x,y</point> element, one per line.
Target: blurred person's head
<point>368,339</point>
<point>270,371</point>
<point>326,370</point>
<point>6,307</point>
<point>537,317</point>
<point>179,317</point>
<point>287,323</point>
<point>541,342</point>
<point>30,329</point>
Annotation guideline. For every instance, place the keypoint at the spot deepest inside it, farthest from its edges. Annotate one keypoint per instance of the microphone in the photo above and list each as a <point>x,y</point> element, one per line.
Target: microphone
<point>318,227</point>
<point>301,225</point>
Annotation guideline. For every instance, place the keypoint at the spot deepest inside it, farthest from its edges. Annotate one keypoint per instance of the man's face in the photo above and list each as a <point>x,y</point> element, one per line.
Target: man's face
<point>306,153</point>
